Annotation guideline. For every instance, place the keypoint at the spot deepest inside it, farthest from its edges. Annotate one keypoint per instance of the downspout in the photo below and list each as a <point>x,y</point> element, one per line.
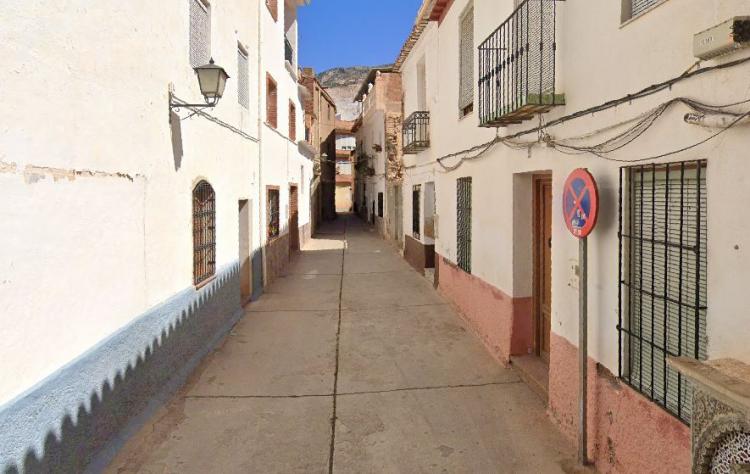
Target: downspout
<point>261,234</point>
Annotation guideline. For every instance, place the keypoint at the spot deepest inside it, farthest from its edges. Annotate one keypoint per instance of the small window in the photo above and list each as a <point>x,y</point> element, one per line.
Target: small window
<point>380,204</point>
<point>271,102</point>
<point>663,279</point>
<point>243,78</point>
<point>292,122</point>
<point>273,8</point>
<point>463,224</point>
<point>200,33</point>
<point>416,198</point>
<point>204,232</point>
<point>272,207</point>
<point>466,62</point>
<point>633,8</point>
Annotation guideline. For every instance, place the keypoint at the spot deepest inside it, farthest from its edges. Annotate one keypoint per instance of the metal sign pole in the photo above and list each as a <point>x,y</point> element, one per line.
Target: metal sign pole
<point>582,348</point>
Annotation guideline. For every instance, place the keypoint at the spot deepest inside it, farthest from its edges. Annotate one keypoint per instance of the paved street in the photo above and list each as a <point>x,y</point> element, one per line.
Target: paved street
<point>352,335</point>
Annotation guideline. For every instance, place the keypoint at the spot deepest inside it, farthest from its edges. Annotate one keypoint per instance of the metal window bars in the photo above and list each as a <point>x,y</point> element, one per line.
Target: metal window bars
<point>288,51</point>
<point>662,299</point>
<point>463,223</point>
<point>416,132</point>
<point>204,232</point>
<point>517,66</point>
<point>380,204</point>
<point>272,207</point>
<point>416,197</point>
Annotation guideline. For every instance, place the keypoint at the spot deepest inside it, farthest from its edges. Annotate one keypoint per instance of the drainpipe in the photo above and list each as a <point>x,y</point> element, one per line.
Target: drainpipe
<point>260,143</point>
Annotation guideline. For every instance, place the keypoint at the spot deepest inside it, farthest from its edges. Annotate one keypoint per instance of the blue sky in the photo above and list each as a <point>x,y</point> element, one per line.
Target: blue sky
<point>335,33</point>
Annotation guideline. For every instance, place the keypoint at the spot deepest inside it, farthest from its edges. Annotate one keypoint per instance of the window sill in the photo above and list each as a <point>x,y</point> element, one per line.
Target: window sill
<point>205,282</point>
<point>641,14</point>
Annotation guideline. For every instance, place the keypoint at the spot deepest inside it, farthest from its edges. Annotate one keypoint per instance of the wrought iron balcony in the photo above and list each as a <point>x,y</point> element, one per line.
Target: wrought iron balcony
<point>517,66</point>
<point>417,132</point>
<point>288,51</point>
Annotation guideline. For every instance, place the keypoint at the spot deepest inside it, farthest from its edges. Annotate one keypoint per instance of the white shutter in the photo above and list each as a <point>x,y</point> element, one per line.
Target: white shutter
<point>200,33</point>
<point>466,60</point>
<point>243,82</point>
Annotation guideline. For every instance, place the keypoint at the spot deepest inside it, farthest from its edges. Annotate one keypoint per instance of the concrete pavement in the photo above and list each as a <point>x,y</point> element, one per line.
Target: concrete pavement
<point>350,363</point>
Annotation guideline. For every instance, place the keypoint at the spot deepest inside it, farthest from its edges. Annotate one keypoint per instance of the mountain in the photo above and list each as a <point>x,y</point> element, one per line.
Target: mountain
<point>343,83</point>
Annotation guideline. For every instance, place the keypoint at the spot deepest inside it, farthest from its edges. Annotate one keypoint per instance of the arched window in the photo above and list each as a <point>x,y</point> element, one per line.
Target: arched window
<point>204,232</point>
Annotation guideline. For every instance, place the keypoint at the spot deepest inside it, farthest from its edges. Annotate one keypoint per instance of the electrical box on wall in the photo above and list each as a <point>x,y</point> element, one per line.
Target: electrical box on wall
<point>723,38</point>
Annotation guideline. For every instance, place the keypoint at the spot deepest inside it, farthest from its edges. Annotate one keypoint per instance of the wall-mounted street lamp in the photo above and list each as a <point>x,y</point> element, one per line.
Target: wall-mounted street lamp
<point>212,79</point>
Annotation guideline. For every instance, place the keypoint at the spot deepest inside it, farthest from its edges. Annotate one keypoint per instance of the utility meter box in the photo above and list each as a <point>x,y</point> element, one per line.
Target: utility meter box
<point>723,38</point>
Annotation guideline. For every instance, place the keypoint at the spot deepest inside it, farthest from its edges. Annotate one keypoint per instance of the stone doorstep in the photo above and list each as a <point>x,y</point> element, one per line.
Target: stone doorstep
<point>534,372</point>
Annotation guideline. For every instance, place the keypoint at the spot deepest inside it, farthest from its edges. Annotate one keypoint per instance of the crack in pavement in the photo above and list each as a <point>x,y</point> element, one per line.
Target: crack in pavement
<point>338,347</point>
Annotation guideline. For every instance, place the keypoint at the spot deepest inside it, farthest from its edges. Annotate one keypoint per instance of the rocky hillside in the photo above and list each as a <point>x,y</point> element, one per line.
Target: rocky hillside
<point>343,83</point>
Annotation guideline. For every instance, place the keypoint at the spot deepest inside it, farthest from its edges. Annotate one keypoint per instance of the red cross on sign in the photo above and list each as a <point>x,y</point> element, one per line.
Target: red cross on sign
<point>580,203</point>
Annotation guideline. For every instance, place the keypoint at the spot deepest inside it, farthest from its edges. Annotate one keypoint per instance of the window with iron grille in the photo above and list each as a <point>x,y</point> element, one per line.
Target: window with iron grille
<point>663,259</point>
<point>416,195</point>
<point>466,62</point>
<point>272,209</point>
<point>463,224</point>
<point>633,8</point>
<point>200,33</point>
<point>292,122</point>
<point>380,204</point>
<point>204,232</point>
<point>243,78</point>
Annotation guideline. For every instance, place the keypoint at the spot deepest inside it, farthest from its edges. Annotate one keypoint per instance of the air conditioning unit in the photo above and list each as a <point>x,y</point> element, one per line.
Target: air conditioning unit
<point>723,38</point>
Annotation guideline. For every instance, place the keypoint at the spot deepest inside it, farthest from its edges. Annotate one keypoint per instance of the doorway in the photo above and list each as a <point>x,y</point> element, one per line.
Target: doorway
<point>245,246</point>
<point>293,219</point>
<point>542,300</point>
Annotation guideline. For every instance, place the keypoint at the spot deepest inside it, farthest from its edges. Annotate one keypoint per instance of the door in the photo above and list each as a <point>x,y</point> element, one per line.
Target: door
<point>293,219</point>
<point>245,246</point>
<point>543,264</point>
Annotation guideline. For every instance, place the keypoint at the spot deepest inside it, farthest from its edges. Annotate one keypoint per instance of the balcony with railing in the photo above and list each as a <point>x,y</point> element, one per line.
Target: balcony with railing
<point>517,66</point>
<point>417,132</point>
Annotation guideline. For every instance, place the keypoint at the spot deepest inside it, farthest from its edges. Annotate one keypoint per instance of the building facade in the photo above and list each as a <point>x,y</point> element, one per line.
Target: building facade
<point>378,153</point>
<point>346,143</point>
<point>139,225</point>
<point>502,101</point>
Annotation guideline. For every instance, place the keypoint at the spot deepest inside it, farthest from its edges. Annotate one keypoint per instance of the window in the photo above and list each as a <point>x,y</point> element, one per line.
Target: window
<point>204,232</point>
<point>272,209</point>
<point>662,298</point>
<point>271,105</point>
<point>463,224</point>
<point>292,122</point>
<point>273,8</point>
<point>200,33</point>
<point>380,204</point>
<point>243,78</point>
<point>633,8</point>
<point>466,62</point>
<point>415,202</point>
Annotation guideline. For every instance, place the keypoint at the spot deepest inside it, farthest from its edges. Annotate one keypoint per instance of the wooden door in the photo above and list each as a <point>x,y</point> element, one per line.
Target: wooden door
<point>293,219</point>
<point>543,264</point>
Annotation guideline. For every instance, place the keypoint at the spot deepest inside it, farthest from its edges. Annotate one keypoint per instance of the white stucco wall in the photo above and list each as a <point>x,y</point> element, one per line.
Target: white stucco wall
<point>640,54</point>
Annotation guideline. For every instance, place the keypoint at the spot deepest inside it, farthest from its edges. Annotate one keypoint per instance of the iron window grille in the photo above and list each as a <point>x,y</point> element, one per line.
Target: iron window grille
<point>662,298</point>
<point>288,51</point>
<point>517,66</point>
<point>416,196</point>
<point>463,224</point>
<point>272,207</point>
<point>243,79</point>
<point>204,232</point>
<point>200,33</point>
<point>380,204</point>
<point>416,132</point>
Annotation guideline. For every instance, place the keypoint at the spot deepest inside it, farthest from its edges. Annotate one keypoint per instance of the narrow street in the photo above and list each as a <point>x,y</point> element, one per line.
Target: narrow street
<point>354,331</point>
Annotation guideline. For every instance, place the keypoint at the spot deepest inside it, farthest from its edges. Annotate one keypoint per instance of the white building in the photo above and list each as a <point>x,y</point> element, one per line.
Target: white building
<point>134,231</point>
<point>507,125</point>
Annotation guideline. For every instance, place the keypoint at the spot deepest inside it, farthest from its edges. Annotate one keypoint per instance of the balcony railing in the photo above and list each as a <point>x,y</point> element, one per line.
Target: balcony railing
<point>417,132</point>
<point>517,66</point>
<point>288,51</point>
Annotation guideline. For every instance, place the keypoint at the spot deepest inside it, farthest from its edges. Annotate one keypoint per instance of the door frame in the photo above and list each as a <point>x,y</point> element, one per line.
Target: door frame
<point>294,236</point>
<point>539,180</point>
